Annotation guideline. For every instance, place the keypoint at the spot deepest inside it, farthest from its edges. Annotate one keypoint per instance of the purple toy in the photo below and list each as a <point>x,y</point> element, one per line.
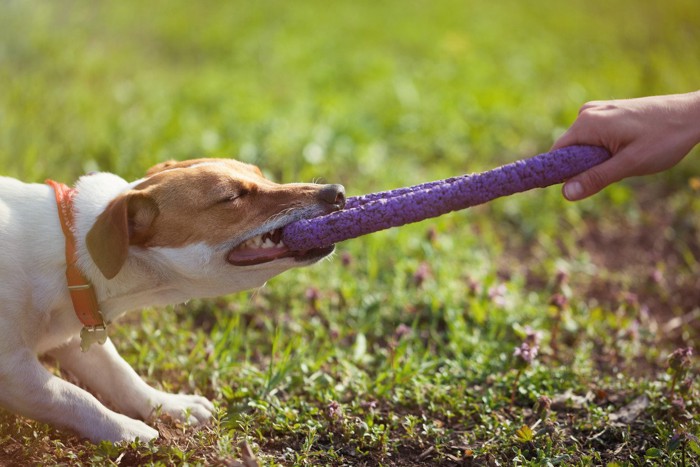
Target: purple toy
<point>379,211</point>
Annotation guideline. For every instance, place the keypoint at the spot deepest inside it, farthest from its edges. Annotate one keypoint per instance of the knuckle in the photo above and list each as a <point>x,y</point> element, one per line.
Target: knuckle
<point>594,180</point>
<point>597,108</point>
<point>590,106</point>
<point>590,114</point>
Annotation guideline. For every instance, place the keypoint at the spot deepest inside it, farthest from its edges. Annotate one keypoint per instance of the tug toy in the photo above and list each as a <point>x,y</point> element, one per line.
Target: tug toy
<point>393,208</point>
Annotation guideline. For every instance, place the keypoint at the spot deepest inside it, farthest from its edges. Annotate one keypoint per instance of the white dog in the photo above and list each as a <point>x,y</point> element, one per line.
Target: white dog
<point>199,228</point>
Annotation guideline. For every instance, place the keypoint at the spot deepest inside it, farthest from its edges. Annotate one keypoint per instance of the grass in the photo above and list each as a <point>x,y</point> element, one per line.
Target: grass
<point>399,351</point>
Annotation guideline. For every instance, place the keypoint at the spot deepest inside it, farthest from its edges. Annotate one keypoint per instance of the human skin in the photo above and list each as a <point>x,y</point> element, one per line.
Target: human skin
<point>644,135</point>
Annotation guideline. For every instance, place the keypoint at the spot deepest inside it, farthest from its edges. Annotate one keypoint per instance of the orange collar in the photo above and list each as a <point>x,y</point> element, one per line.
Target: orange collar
<point>82,293</point>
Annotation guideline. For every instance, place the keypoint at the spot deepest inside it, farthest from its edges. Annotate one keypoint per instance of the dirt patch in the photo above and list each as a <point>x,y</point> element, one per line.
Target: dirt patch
<point>648,263</point>
<point>651,264</point>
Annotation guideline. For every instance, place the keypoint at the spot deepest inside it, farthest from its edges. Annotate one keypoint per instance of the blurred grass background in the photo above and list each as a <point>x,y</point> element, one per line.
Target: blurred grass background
<point>377,95</point>
<point>308,89</point>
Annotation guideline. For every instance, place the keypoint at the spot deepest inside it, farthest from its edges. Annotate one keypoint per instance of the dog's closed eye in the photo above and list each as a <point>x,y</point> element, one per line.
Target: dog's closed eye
<point>240,193</point>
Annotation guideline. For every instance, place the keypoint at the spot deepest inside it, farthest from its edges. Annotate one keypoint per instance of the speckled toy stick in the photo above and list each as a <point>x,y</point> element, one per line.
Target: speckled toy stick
<point>393,208</point>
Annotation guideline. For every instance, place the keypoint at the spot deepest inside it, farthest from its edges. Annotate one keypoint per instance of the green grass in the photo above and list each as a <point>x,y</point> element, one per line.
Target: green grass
<point>399,351</point>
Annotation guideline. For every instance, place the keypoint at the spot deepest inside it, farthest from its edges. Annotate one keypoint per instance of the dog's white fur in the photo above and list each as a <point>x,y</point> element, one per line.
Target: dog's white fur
<point>36,314</point>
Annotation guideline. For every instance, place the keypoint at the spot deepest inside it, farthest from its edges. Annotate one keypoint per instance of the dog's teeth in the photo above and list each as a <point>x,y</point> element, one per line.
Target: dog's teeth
<point>267,240</point>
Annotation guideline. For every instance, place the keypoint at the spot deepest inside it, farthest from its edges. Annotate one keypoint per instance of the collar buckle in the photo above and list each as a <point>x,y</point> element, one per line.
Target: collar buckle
<point>92,335</point>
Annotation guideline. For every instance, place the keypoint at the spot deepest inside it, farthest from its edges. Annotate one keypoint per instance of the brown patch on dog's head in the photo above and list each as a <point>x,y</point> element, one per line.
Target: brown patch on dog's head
<point>215,200</point>
<point>210,201</point>
<point>173,164</point>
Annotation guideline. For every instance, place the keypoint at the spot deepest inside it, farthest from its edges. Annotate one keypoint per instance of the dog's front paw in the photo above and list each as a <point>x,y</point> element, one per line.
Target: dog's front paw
<point>192,409</point>
<point>122,428</point>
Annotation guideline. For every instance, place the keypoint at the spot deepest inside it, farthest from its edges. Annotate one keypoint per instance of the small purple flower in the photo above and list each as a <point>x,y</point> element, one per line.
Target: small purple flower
<point>474,286</point>
<point>542,407</point>
<point>421,274</point>
<point>371,405</point>
<point>679,361</point>
<point>346,259</point>
<point>525,354</point>
<point>334,410</point>
<point>558,301</point>
<point>678,404</point>
<point>312,295</point>
<point>561,279</point>
<point>630,299</point>
<point>401,331</point>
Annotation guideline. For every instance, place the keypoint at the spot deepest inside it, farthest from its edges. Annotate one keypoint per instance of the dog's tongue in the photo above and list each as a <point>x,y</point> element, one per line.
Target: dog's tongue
<point>249,257</point>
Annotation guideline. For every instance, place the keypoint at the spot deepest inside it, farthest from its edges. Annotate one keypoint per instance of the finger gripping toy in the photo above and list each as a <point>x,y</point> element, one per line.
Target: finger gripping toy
<point>393,208</point>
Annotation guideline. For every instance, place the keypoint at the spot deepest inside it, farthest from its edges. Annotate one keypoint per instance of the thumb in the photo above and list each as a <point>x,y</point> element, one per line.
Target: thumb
<point>595,179</point>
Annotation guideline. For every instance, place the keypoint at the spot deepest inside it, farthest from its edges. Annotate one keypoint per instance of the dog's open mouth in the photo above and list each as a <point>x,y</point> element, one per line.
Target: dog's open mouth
<point>269,247</point>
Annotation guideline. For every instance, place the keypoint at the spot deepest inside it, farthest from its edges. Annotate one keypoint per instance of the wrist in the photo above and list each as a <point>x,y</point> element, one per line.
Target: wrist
<point>690,115</point>
<point>694,110</point>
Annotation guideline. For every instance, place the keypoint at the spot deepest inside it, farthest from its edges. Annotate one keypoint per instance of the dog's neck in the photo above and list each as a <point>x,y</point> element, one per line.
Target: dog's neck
<point>139,284</point>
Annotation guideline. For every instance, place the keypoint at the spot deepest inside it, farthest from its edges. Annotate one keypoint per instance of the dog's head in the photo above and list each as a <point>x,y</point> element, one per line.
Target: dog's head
<point>209,216</point>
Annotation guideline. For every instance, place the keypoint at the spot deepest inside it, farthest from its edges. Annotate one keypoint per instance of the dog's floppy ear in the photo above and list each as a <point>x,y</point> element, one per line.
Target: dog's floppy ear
<point>126,221</point>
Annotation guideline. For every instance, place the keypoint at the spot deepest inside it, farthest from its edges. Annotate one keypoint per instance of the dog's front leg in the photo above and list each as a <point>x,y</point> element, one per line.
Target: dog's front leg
<point>29,389</point>
<point>106,373</point>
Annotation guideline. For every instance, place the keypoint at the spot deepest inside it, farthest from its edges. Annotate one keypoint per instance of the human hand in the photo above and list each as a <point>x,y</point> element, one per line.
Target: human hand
<point>644,135</point>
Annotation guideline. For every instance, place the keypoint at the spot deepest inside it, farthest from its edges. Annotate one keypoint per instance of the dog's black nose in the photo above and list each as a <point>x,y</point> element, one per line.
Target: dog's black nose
<point>333,194</point>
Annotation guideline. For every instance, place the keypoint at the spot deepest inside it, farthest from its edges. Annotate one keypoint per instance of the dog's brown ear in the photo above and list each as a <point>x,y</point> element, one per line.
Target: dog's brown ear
<point>127,220</point>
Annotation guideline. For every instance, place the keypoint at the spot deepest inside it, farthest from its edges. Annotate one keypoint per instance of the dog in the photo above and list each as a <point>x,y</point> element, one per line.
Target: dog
<point>199,228</point>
